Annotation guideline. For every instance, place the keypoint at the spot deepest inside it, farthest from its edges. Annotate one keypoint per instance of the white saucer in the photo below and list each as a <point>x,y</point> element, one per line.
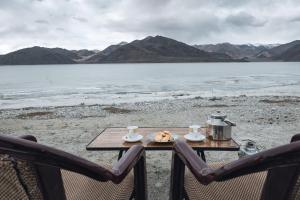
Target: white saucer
<point>134,138</point>
<point>194,137</point>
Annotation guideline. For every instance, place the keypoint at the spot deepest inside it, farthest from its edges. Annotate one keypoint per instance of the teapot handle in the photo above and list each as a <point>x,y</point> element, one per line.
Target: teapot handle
<point>229,122</point>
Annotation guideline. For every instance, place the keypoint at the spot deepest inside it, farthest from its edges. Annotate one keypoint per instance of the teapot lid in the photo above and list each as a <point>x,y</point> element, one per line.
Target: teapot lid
<point>218,115</point>
<point>251,146</point>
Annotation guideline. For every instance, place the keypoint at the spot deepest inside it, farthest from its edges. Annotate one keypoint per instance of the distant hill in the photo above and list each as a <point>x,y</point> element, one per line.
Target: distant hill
<point>235,51</point>
<point>70,54</point>
<point>35,56</point>
<point>95,58</point>
<point>158,49</point>
<point>41,55</point>
<point>111,48</point>
<point>84,53</point>
<point>283,52</point>
<point>276,51</point>
<point>290,54</point>
<point>272,52</point>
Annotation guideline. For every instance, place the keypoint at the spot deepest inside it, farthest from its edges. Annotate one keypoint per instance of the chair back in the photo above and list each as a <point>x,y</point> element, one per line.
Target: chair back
<point>18,179</point>
<point>283,183</point>
<point>282,165</point>
<point>35,169</point>
<point>21,178</point>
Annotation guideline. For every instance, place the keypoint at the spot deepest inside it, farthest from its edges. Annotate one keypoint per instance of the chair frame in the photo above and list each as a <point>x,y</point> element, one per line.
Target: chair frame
<point>48,162</point>
<point>282,163</point>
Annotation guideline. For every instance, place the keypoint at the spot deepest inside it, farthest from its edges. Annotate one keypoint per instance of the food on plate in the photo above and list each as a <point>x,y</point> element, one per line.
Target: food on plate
<point>163,136</point>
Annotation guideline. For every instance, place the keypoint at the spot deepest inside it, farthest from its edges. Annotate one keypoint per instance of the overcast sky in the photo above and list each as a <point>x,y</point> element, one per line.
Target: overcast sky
<point>95,24</point>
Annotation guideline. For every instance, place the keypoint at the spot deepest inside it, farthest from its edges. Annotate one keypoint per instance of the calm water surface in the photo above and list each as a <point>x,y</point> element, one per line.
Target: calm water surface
<point>52,85</point>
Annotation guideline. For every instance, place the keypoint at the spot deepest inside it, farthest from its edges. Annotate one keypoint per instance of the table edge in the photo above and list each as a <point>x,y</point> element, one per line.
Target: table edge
<point>162,148</point>
<point>158,148</point>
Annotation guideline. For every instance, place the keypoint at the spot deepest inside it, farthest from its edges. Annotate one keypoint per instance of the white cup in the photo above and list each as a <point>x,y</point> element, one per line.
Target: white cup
<point>194,128</point>
<point>132,131</point>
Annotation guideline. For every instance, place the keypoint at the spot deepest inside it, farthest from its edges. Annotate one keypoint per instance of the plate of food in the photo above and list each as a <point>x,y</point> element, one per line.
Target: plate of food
<point>163,137</point>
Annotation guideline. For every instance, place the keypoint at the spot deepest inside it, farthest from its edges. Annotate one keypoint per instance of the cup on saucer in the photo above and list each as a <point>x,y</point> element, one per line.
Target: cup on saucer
<point>194,129</point>
<point>132,135</point>
<point>194,134</point>
<point>132,131</point>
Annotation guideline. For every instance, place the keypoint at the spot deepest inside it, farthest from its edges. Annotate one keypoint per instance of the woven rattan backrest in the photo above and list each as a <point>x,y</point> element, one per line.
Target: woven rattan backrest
<point>39,167</point>
<point>18,179</point>
<point>283,183</point>
<point>295,192</point>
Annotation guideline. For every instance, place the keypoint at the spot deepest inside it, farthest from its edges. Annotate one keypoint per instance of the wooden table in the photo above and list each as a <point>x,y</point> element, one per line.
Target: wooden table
<point>111,139</point>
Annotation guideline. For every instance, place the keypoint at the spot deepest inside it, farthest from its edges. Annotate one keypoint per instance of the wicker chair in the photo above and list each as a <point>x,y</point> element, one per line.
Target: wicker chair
<point>269,175</point>
<point>32,171</point>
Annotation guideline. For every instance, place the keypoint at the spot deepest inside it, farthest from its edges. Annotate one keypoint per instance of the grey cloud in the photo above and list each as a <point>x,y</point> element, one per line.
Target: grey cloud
<point>244,19</point>
<point>190,21</point>
<point>15,29</point>
<point>232,3</point>
<point>60,29</point>
<point>80,19</point>
<point>41,21</point>
<point>171,20</point>
<point>153,5</point>
<point>295,19</point>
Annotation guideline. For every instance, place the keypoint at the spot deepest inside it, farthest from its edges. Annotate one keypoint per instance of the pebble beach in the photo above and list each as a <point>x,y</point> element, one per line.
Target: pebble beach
<point>268,120</point>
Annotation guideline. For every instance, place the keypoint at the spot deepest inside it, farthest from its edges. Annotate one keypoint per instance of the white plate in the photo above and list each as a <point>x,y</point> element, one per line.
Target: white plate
<point>151,137</point>
<point>134,138</point>
<point>194,137</point>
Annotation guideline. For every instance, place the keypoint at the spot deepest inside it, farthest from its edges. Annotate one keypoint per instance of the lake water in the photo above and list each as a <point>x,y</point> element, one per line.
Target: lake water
<point>56,85</point>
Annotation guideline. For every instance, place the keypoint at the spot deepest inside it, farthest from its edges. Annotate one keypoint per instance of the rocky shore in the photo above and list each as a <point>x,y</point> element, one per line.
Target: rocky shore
<point>268,120</point>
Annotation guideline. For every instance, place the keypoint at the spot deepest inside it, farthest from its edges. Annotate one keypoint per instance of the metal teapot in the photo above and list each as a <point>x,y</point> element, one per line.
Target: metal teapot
<point>218,127</point>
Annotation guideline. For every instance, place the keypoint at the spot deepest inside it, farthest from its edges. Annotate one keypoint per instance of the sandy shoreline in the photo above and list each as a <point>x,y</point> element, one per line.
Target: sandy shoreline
<point>269,120</point>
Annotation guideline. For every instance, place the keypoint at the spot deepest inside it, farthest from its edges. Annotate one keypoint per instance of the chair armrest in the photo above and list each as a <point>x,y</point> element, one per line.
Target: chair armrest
<point>28,137</point>
<point>134,158</point>
<point>127,162</point>
<point>195,164</point>
<point>295,138</point>
<point>25,149</point>
<point>49,161</point>
<point>283,156</point>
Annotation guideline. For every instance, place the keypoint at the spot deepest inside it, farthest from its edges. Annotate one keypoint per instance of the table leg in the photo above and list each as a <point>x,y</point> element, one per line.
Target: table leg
<point>132,195</point>
<point>120,154</point>
<point>201,154</point>
<point>186,196</point>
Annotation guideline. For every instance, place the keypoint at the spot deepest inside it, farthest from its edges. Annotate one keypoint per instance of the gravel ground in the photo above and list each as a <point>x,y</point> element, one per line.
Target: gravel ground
<point>269,120</point>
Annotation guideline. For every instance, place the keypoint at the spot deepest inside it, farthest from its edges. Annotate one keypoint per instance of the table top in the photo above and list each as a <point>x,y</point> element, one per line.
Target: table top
<point>111,139</point>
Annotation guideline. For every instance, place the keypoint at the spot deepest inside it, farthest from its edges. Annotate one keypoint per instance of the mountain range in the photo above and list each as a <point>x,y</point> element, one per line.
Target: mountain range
<point>154,50</point>
<point>248,52</point>
<point>243,51</point>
